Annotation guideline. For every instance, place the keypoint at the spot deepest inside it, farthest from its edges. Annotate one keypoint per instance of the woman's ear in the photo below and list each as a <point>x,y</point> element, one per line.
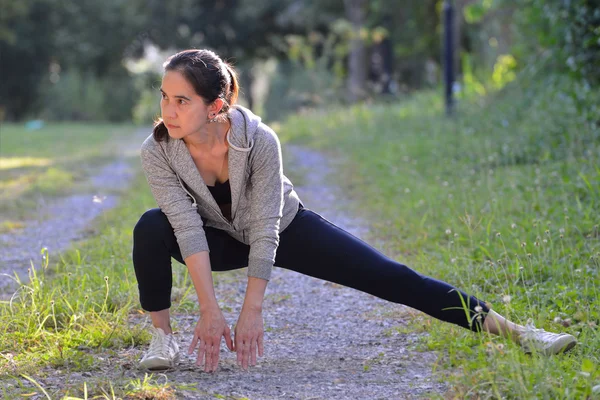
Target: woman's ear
<point>216,106</point>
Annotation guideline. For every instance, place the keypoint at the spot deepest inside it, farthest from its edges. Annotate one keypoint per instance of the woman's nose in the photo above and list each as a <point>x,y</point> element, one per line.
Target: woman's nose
<point>168,111</point>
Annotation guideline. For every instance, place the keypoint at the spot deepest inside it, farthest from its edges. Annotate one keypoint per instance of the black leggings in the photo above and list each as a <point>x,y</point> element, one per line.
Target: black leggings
<point>310,245</point>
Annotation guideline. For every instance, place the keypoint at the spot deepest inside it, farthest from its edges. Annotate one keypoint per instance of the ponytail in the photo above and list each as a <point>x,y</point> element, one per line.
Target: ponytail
<point>234,87</point>
<point>160,132</point>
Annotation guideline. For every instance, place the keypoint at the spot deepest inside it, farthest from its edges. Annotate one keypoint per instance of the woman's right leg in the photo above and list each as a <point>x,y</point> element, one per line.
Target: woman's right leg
<point>154,245</point>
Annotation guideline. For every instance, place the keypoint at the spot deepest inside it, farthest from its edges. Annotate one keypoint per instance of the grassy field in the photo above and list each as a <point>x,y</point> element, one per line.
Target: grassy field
<point>502,201</point>
<point>73,313</point>
<point>49,162</point>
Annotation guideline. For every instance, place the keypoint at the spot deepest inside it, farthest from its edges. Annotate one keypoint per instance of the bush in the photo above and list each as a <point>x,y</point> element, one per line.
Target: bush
<point>78,96</point>
<point>569,30</point>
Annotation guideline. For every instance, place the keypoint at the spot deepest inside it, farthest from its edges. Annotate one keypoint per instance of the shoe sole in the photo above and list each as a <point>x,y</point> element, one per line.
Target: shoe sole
<point>568,347</point>
<point>159,366</point>
<point>560,349</point>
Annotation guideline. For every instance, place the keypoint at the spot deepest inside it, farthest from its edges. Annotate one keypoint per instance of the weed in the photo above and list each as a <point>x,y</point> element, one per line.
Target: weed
<point>502,203</point>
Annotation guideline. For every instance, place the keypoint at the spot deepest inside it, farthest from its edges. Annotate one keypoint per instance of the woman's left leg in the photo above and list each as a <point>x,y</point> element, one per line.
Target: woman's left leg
<point>314,246</point>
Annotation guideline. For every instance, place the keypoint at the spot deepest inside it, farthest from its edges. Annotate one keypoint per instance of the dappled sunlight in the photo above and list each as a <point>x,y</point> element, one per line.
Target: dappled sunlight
<point>50,181</point>
<point>13,188</point>
<point>22,162</point>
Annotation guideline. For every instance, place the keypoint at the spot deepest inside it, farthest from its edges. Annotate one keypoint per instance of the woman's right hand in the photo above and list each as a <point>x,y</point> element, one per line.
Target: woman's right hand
<point>208,332</point>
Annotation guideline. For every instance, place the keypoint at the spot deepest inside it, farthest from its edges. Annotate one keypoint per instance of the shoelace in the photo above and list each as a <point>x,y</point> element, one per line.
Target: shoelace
<point>537,335</point>
<point>159,344</point>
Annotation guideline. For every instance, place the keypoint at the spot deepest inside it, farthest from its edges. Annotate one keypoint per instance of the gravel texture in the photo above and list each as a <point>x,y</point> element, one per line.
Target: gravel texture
<point>322,340</point>
<point>63,220</point>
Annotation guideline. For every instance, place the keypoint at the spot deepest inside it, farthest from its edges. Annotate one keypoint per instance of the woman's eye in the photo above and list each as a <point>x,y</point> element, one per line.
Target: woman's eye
<point>181,101</point>
<point>163,96</point>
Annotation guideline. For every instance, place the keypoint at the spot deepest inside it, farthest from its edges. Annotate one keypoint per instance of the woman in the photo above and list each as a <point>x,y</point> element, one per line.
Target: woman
<point>215,171</point>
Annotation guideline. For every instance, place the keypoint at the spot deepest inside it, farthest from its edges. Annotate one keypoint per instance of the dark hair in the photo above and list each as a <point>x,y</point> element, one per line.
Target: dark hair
<point>211,78</point>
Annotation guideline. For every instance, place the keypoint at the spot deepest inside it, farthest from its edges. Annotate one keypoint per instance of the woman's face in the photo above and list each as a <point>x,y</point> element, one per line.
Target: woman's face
<point>183,111</point>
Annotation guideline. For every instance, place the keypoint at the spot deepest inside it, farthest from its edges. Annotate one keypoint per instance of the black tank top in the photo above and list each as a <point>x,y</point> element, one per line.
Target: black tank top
<point>222,195</point>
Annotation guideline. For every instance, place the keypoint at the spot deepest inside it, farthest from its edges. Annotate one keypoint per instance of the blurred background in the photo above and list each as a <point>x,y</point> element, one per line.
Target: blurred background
<point>502,199</point>
<point>87,60</point>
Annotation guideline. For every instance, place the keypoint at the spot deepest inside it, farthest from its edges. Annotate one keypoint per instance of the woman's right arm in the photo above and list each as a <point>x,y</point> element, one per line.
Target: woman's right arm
<point>173,200</point>
<point>212,325</point>
<point>188,228</point>
<point>199,268</point>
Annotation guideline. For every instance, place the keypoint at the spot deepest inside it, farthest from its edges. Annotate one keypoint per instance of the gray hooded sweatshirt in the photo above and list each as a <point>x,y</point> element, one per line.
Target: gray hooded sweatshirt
<point>263,200</point>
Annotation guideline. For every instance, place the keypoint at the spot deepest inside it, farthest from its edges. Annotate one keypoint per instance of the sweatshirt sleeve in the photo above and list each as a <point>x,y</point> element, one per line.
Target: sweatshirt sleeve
<point>266,204</point>
<point>172,199</point>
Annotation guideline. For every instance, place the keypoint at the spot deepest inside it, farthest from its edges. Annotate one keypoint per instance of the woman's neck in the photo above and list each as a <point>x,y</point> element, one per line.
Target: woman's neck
<point>208,139</point>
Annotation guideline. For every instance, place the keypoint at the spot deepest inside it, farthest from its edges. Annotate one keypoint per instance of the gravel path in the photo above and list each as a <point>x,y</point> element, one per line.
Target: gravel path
<point>64,220</point>
<point>322,340</point>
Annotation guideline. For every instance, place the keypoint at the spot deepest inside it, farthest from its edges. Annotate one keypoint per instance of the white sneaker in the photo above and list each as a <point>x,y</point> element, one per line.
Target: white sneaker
<point>163,352</point>
<point>535,340</point>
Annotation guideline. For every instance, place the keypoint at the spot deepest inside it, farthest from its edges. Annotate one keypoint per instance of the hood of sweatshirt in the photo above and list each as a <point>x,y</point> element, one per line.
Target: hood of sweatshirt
<point>244,124</point>
<point>263,201</point>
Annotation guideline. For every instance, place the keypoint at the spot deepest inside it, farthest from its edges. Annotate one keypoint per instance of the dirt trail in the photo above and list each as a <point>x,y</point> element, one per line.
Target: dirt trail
<point>322,341</point>
<point>66,219</point>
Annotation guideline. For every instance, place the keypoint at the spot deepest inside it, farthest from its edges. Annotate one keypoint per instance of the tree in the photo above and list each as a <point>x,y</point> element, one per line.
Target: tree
<point>356,12</point>
<point>26,48</point>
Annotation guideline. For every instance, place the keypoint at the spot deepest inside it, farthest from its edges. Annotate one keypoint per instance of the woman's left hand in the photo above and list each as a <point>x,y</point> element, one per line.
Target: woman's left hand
<point>248,340</point>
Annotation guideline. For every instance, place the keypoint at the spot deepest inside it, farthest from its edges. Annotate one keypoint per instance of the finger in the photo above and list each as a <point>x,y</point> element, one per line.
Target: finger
<point>238,350</point>
<point>235,337</point>
<point>201,350</point>
<point>228,340</point>
<point>215,355</point>
<point>193,345</point>
<point>245,354</point>
<point>261,350</point>
<point>208,358</point>
<point>252,352</point>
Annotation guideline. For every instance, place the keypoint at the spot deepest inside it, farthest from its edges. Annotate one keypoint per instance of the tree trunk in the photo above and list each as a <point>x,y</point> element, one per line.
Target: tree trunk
<point>458,31</point>
<point>356,12</point>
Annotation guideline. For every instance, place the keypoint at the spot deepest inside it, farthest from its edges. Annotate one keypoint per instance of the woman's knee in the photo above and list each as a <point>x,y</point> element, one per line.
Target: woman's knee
<point>151,223</point>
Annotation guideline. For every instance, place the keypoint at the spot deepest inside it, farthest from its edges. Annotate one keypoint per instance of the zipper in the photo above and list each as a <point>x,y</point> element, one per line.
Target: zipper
<point>243,185</point>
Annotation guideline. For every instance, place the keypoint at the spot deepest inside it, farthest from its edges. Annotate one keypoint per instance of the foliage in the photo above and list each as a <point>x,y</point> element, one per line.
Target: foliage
<point>26,47</point>
<point>501,201</point>
<point>568,30</point>
<point>45,39</point>
<point>572,35</point>
<point>47,44</point>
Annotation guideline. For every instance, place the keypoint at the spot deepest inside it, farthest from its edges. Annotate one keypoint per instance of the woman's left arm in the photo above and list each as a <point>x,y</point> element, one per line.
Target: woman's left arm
<point>265,215</point>
<point>249,329</point>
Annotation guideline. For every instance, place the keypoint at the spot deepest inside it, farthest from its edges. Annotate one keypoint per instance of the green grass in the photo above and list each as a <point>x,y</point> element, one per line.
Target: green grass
<point>77,307</point>
<point>502,201</point>
<point>80,312</point>
<point>77,304</point>
<point>436,191</point>
<point>59,140</point>
<point>51,161</point>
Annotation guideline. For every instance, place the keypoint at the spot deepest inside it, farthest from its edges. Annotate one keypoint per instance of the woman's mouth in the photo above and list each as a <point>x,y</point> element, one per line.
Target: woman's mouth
<point>169,126</point>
